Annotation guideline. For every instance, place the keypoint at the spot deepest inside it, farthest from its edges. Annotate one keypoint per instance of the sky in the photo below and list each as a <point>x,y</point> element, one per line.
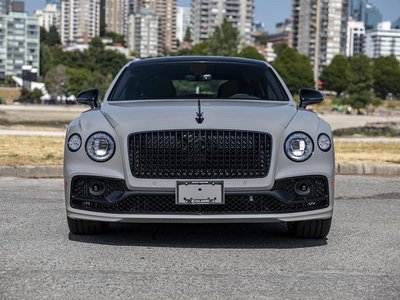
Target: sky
<point>271,12</point>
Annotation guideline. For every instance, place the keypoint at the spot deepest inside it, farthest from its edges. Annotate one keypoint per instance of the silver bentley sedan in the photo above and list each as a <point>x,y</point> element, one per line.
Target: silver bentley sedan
<point>199,140</point>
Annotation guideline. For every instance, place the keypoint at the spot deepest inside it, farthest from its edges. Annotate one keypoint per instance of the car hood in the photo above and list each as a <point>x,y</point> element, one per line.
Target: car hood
<point>135,116</point>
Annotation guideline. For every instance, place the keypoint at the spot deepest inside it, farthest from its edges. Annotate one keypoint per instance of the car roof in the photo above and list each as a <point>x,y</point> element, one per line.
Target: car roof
<point>224,59</point>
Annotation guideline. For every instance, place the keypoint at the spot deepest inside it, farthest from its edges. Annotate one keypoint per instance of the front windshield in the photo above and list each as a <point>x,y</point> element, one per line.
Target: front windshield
<point>194,80</point>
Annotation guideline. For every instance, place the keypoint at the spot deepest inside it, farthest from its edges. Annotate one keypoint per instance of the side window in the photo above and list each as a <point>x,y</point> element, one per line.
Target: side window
<point>274,88</point>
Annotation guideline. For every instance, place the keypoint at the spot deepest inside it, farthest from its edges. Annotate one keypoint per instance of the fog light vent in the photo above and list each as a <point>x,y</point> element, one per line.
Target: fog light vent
<point>302,188</point>
<point>96,188</point>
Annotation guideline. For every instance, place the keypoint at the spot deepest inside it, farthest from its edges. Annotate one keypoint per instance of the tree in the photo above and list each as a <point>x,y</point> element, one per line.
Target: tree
<point>188,35</point>
<point>386,75</point>
<point>46,58</point>
<point>117,38</point>
<point>279,48</point>
<point>43,35</point>
<point>251,52</point>
<point>336,76</point>
<point>224,41</point>
<point>57,81</point>
<point>36,94</point>
<point>79,80</point>
<point>294,68</point>
<point>25,94</point>
<point>53,38</point>
<point>103,28</point>
<point>261,39</point>
<point>101,82</point>
<point>8,81</point>
<point>202,48</point>
<point>104,61</point>
<point>96,43</point>
<point>360,88</point>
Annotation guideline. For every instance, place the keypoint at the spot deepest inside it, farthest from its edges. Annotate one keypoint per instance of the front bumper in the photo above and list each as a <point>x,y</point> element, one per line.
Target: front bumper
<point>280,204</point>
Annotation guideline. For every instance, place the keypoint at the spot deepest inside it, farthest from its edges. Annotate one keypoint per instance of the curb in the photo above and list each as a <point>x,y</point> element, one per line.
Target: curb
<point>368,169</point>
<point>50,171</point>
<point>56,171</point>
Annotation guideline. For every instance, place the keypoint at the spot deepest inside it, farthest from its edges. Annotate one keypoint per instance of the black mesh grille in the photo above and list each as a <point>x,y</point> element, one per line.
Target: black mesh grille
<point>165,204</point>
<point>318,198</point>
<point>211,154</point>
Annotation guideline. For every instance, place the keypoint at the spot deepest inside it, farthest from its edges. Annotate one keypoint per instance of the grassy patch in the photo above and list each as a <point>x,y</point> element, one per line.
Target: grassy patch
<point>31,150</point>
<point>365,152</point>
<point>9,93</point>
<point>35,150</point>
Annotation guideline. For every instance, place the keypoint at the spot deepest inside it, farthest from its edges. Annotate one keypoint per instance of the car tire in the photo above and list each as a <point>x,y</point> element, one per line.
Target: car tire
<point>86,227</point>
<point>311,229</point>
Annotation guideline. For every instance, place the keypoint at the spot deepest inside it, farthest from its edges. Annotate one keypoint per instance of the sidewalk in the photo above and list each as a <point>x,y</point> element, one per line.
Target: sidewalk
<point>56,171</point>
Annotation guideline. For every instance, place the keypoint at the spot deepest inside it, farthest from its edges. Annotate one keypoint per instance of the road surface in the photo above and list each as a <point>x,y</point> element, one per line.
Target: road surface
<point>360,259</point>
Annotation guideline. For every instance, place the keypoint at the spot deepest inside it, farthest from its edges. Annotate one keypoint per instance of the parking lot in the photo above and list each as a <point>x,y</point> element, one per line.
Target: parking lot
<point>360,259</point>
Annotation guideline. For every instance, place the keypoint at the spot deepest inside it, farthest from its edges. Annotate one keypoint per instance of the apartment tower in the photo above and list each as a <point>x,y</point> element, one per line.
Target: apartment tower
<point>208,14</point>
<point>166,13</point>
<point>383,41</point>
<point>80,21</point>
<point>143,33</point>
<point>116,15</point>
<point>49,16</point>
<point>355,38</point>
<point>20,40</point>
<point>320,30</point>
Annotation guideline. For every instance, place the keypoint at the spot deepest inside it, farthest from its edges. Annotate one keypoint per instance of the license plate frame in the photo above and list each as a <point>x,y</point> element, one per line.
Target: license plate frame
<point>200,193</point>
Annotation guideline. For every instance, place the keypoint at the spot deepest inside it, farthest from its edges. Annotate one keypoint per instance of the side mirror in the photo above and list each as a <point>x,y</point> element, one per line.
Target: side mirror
<point>310,96</point>
<point>89,97</point>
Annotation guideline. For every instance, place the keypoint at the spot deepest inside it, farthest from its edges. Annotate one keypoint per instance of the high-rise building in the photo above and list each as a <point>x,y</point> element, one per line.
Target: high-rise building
<point>17,6</point>
<point>363,11</point>
<point>48,17</point>
<point>208,14</point>
<point>319,30</point>
<point>19,40</point>
<point>166,12</point>
<point>80,20</point>
<point>56,2</point>
<point>143,33</point>
<point>355,38</point>
<point>283,33</point>
<point>383,41</point>
<point>182,22</point>
<point>4,6</point>
<point>116,15</point>
<point>259,27</point>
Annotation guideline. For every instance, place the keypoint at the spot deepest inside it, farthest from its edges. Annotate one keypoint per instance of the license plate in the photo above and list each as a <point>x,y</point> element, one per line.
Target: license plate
<point>199,192</point>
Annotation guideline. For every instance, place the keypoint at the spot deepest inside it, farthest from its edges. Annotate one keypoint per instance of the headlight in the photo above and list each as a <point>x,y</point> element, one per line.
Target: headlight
<point>324,142</point>
<point>299,146</point>
<point>74,142</point>
<point>100,146</point>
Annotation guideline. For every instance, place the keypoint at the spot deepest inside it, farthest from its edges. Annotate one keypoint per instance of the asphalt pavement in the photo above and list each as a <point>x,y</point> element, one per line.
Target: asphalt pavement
<point>359,260</point>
